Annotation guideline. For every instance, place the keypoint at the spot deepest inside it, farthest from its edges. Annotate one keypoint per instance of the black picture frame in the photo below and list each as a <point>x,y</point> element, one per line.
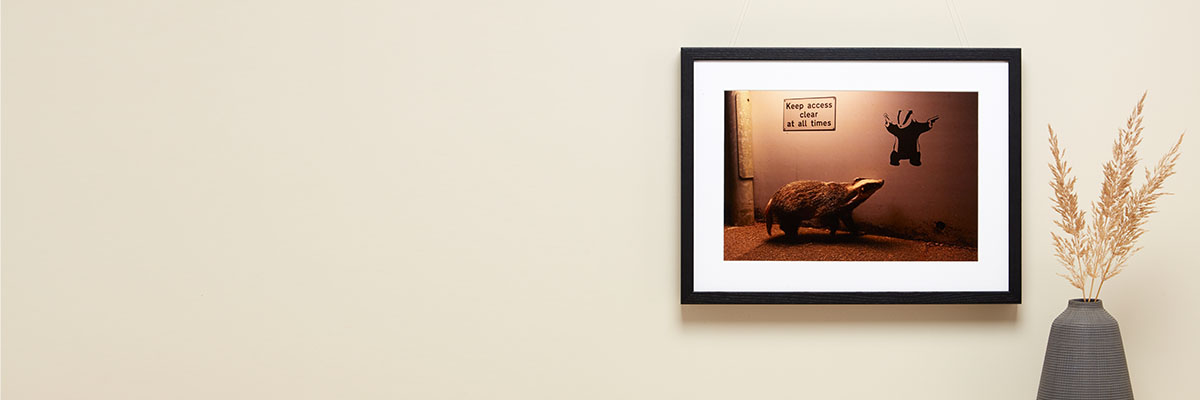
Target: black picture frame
<point>691,57</point>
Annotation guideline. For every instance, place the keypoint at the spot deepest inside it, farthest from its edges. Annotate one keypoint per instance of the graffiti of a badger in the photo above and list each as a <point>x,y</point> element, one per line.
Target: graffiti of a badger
<point>827,202</point>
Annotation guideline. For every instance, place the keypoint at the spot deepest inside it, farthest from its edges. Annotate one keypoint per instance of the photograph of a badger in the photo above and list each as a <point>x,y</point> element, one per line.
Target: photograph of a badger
<point>827,202</point>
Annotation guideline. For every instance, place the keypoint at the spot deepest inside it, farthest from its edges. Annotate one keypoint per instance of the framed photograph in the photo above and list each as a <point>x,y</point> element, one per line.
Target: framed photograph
<point>850,176</point>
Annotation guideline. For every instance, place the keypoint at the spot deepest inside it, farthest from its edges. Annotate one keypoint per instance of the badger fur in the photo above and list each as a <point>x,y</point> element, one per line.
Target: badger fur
<point>827,202</point>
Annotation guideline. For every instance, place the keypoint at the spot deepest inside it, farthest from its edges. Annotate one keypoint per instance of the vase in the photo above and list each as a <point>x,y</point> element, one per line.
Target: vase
<point>1085,358</point>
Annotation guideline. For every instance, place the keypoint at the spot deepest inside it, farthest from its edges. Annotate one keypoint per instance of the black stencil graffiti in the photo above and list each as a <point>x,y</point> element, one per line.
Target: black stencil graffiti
<point>906,132</point>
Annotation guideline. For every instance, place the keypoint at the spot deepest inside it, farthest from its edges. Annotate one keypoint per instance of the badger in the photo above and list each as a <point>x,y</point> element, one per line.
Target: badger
<point>827,202</point>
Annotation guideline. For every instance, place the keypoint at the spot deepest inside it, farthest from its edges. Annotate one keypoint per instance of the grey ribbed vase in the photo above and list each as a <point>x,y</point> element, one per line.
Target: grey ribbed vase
<point>1085,358</point>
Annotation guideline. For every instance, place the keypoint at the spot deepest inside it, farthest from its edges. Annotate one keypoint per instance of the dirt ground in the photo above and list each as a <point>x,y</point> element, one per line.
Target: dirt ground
<point>752,243</point>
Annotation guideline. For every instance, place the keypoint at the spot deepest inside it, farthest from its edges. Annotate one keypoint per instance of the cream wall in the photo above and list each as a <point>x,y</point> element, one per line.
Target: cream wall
<point>384,200</point>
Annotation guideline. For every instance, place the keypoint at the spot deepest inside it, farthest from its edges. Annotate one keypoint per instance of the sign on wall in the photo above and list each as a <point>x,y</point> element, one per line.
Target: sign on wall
<point>810,114</point>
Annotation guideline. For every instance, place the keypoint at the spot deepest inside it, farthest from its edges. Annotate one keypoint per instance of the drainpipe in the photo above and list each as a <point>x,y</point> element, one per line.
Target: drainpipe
<point>738,127</point>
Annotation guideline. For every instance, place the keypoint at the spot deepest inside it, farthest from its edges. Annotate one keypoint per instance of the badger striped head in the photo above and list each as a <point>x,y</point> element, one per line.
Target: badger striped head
<point>861,189</point>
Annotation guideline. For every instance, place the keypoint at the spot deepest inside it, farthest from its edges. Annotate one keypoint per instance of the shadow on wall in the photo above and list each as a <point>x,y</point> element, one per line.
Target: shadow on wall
<point>932,195</point>
<point>842,314</point>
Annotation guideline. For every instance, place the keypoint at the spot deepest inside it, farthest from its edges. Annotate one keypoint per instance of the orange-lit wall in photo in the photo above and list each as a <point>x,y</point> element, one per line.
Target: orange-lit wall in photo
<point>935,200</point>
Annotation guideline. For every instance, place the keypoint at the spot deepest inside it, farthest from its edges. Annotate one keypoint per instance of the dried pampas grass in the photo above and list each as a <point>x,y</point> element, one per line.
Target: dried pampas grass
<point>1093,253</point>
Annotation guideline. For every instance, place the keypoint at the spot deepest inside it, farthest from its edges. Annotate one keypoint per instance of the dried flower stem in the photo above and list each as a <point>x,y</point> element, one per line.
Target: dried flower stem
<point>1093,254</point>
